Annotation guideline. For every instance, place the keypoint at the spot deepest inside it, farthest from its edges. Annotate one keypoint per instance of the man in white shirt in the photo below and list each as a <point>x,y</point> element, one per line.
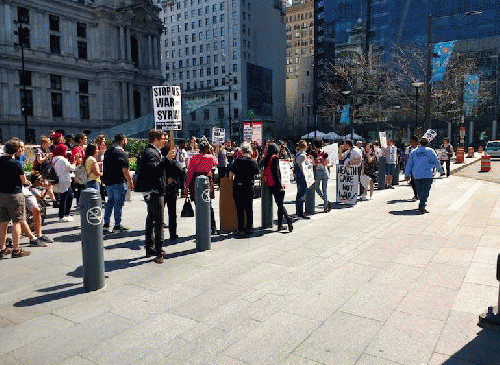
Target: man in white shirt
<point>391,155</point>
<point>352,155</point>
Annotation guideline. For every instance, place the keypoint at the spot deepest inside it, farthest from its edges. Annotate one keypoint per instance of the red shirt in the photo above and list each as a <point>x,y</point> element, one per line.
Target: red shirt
<point>200,163</point>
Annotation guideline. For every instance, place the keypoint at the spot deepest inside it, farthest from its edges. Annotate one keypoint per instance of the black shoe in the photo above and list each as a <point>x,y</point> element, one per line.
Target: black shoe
<point>159,260</point>
<point>303,216</point>
<point>290,225</point>
<point>214,230</point>
<point>174,238</point>
<point>150,253</point>
<point>37,242</point>
<point>120,229</point>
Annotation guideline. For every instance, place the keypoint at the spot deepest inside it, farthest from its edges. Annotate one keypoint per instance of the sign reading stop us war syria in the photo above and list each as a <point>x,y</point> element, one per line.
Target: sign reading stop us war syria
<point>347,184</point>
<point>167,107</point>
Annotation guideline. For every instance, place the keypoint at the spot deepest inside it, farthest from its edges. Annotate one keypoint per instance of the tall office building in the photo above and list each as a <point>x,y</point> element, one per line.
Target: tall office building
<point>89,64</point>
<point>299,19</point>
<point>228,56</point>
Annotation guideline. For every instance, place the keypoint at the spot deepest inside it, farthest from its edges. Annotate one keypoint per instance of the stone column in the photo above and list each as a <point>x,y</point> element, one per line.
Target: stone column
<point>131,101</point>
<point>122,43</point>
<point>449,130</point>
<point>125,113</point>
<point>128,34</point>
<point>153,53</point>
<point>494,129</point>
<point>150,50</point>
<point>471,132</point>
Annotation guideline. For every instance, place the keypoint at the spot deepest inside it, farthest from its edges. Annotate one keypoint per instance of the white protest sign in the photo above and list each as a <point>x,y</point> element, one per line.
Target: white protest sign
<point>286,173</point>
<point>333,153</point>
<point>247,132</point>
<point>257,133</point>
<point>167,107</point>
<point>430,134</point>
<point>347,184</point>
<point>218,135</point>
<point>307,169</point>
<point>442,155</point>
<point>383,139</point>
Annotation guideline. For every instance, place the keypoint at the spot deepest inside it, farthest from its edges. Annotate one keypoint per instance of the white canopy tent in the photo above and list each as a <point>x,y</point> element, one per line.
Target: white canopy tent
<point>316,134</point>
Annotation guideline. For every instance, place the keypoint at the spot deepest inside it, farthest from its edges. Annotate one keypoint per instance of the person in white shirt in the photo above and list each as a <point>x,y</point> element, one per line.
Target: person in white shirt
<point>391,155</point>
<point>352,155</point>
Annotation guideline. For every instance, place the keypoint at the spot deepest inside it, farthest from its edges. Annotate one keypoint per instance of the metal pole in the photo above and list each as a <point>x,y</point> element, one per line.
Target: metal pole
<point>428,74</point>
<point>416,107</point>
<point>229,106</point>
<point>25,112</point>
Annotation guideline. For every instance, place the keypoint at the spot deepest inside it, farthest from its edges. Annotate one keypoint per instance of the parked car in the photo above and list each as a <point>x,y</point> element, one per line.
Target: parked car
<point>493,148</point>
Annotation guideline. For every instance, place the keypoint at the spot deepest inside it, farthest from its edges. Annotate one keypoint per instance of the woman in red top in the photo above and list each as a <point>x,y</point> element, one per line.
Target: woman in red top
<point>77,156</point>
<point>202,164</point>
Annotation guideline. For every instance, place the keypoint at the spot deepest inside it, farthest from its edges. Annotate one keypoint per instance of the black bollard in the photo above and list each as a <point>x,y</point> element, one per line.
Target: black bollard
<point>490,319</point>
<point>91,214</point>
<point>310,200</point>
<point>203,215</point>
<point>266,207</point>
<point>381,173</point>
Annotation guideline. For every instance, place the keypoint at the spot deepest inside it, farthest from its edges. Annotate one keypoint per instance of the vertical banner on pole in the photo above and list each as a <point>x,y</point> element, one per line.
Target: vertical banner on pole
<point>167,107</point>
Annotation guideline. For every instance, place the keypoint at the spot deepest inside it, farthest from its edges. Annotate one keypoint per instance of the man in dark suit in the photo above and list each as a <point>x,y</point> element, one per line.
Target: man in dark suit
<point>152,181</point>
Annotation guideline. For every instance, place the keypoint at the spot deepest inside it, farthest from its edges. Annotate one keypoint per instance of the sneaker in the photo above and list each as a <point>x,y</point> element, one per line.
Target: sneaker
<point>37,242</point>
<point>65,219</point>
<point>69,218</point>
<point>5,252</point>
<point>120,229</point>
<point>20,253</point>
<point>159,260</point>
<point>44,238</point>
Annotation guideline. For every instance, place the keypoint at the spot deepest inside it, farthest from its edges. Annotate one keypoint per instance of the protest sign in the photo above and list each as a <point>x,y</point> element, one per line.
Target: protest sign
<point>247,132</point>
<point>333,153</point>
<point>307,168</point>
<point>218,135</point>
<point>257,133</point>
<point>430,134</point>
<point>286,173</point>
<point>347,184</point>
<point>383,139</point>
<point>167,107</point>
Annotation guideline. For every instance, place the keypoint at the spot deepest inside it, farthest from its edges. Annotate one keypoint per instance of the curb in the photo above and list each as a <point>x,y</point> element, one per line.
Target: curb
<point>464,165</point>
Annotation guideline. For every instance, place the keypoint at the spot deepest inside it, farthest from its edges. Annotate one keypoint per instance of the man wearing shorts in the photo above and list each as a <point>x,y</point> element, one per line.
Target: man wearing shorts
<point>12,206</point>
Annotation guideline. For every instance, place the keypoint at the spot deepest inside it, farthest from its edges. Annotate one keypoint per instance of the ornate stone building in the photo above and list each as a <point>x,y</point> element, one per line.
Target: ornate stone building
<point>89,64</point>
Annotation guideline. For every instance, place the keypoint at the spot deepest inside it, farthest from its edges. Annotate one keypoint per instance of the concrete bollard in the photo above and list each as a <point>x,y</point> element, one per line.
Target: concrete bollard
<point>395,175</point>
<point>203,213</point>
<point>266,207</point>
<point>310,200</point>
<point>381,173</point>
<point>490,319</point>
<point>92,247</point>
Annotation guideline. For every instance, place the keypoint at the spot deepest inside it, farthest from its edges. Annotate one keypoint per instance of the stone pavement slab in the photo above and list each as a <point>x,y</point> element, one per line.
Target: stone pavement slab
<point>370,284</point>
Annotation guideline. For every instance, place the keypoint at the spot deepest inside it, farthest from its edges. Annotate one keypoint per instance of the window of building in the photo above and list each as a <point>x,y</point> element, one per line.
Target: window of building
<point>82,49</point>
<point>55,44</point>
<point>57,109</point>
<point>134,51</point>
<point>235,96</point>
<point>55,82</point>
<point>207,34</point>
<point>235,67</point>
<point>244,16</point>
<point>81,30</point>
<point>201,48</point>
<point>207,9</point>
<point>216,70</point>
<point>188,75</point>
<point>186,26</point>
<point>24,36</point>
<point>186,15</point>
<point>209,71</point>
<point>193,50</point>
<point>201,72</point>
<point>201,60</point>
<point>214,20</point>
<point>83,86</point>
<point>235,113</point>
<point>181,75</point>
<point>216,82</point>
<point>209,83</point>
<point>167,77</point>
<point>54,23</point>
<point>235,80</point>
<point>186,51</point>
<point>84,107</point>
<point>23,15</point>
<point>26,102</point>
<point>220,113</point>
<point>26,80</point>
<point>194,61</point>
<point>193,37</point>
<point>214,8</point>
<point>188,87</point>
<point>234,55</point>
<point>202,84</point>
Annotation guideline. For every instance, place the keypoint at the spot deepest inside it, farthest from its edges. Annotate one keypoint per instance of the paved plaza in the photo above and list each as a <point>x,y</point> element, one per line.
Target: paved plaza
<point>371,284</point>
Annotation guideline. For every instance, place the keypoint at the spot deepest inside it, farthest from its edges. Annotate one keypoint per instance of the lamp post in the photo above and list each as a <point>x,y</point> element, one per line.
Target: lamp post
<point>416,85</point>
<point>429,63</point>
<point>308,117</point>
<point>20,33</point>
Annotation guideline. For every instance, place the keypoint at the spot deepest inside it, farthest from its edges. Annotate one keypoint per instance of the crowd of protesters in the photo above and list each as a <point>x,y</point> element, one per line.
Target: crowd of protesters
<point>165,172</point>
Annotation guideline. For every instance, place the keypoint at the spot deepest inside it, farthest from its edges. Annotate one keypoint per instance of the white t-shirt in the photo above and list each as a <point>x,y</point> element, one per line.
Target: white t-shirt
<point>353,154</point>
<point>391,154</point>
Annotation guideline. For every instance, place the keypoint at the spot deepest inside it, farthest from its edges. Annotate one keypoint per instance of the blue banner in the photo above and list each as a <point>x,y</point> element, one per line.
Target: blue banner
<point>344,117</point>
<point>442,54</point>
<point>471,91</point>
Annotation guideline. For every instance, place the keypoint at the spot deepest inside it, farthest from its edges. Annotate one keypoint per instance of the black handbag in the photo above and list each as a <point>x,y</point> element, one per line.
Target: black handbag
<point>187,209</point>
<point>50,175</point>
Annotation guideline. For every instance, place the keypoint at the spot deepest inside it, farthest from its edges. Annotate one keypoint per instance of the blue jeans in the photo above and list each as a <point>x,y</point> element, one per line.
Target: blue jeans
<point>321,176</point>
<point>423,187</point>
<point>116,200</point>
<point>94,184</point>
<point>300,197</point>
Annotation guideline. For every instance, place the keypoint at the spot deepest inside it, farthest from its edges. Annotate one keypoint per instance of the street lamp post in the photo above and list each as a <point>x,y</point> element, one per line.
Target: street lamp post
<point>416,85</point>
<point>229,80</point>
<point>20,33</point>
<point>308,117</point>
<point>429,63</point>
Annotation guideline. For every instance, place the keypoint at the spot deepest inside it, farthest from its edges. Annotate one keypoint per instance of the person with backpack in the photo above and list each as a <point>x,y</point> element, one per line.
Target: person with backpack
<point>272,179</point>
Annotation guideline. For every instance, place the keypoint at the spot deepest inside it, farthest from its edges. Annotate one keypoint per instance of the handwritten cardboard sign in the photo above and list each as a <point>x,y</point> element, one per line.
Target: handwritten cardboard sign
<point>347,184</point>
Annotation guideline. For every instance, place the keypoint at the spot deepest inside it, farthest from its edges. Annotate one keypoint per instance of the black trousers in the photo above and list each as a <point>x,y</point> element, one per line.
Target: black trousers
<point>154,223</point>
<point>170,202</point>
<point>279,196</point>
<point>65,201</point>
<point>412,183</point>
<point>243,199</point>
<point>447,163</point>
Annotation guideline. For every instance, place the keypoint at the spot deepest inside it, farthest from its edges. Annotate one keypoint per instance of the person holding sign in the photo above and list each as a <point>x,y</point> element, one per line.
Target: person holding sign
<point>272,179</point>
<point>448,149</point>
<point>243,172</point>
<point>420,164</point>
<point>300,178</point>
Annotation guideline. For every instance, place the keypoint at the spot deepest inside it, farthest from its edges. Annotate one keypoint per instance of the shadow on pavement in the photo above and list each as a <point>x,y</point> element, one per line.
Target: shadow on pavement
<point>405,212</point>
<point>395,201</point>
<point>57,287</point>
<point>180,253</point>
<point>112,265</point>
<point>340,206</point>
<point>29,302</point>
<point>133,245</point>
<point>60,229</point>
<point>483,349</point>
